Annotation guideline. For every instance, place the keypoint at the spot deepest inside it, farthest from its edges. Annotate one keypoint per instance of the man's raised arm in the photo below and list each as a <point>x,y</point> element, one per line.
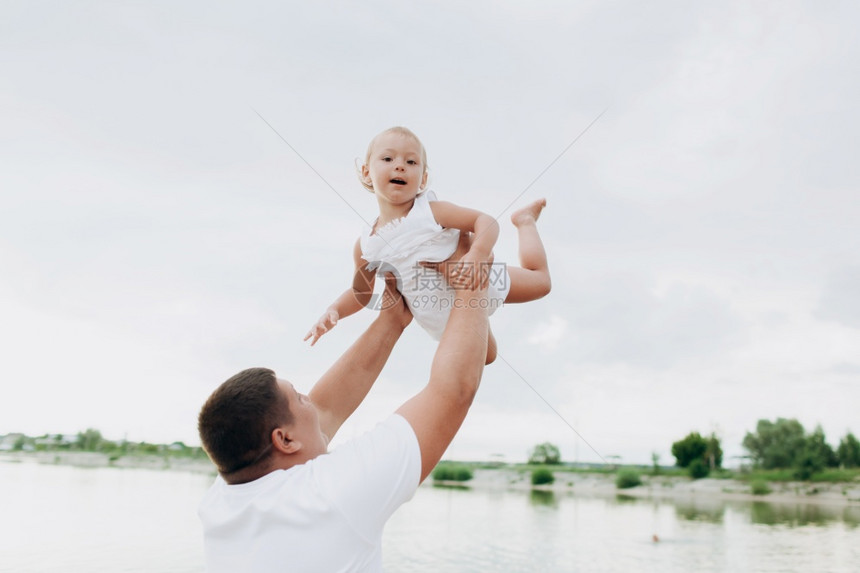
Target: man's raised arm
<point>437,412</point>
<point>344,386</point>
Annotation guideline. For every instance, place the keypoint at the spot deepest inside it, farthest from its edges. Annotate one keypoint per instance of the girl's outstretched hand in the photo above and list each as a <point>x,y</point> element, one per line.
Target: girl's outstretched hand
<point>326,322</point>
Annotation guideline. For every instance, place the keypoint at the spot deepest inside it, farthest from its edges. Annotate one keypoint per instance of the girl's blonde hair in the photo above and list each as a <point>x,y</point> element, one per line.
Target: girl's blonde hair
<point>405,131</point>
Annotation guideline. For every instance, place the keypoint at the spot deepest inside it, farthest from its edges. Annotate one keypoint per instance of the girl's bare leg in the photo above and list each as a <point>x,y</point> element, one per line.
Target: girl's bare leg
<point>532,281</point>
<point>491,347</point>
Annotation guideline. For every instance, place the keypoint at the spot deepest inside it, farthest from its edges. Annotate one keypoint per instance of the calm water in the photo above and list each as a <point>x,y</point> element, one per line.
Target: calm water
<point>56,518</point>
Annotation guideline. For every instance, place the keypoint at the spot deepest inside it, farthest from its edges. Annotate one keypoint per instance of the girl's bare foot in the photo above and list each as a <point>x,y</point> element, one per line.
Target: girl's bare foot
<point>529,213</point>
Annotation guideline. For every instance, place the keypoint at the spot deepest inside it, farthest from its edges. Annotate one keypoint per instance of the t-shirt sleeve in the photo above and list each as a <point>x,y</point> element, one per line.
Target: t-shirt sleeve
<point>369,477</point>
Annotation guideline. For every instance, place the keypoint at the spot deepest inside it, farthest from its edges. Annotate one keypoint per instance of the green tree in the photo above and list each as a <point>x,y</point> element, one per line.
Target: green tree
<point>818,448</point>
<point>713,452</point>
<point>89,440</point>
<point>698,469</point>
<point>627,478</point>
<point>545,453</point>
<point>693,447</point>
<point>775,444</point>
<point>541,476</point>
<point>848,451</point>
<point>148,448</point>
<point>807,464</point>
<point>452,472</point>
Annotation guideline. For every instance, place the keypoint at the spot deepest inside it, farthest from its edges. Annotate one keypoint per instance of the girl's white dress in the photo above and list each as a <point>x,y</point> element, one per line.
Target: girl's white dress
<point>400,245</point>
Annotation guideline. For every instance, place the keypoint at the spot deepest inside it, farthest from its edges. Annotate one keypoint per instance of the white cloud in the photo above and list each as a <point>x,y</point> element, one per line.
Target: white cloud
<point>549,334</point>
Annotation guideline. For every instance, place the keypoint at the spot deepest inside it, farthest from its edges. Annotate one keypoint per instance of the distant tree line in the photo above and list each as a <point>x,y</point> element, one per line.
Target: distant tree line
<point>545,453</point>
<point>784,444</point>
<point>91,440</point>
<point>698,454</point>
<point>781,444</point>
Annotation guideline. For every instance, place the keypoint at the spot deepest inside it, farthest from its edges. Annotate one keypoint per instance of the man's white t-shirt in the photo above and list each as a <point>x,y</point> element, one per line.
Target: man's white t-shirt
<point>325,515</point>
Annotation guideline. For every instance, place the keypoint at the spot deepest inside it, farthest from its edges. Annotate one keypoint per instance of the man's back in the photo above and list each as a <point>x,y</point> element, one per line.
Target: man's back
<point>323,515</point>
<point>331,517</point>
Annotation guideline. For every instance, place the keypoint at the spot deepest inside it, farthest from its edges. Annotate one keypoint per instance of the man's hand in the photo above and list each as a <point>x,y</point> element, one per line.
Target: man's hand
<point>471,272</point>
<point>326,322</point>
<point>464,269</point>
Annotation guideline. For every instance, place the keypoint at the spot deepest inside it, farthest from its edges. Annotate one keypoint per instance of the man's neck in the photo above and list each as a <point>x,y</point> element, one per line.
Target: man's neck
<point>246,475</point>
<point>255,472</point>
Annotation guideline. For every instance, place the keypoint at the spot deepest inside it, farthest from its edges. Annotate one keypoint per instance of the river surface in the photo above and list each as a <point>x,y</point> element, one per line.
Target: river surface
<point>66,519</point>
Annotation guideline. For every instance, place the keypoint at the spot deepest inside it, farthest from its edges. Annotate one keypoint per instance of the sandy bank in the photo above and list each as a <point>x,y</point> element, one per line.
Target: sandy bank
<point>670,487</point>
<point>100,460</point>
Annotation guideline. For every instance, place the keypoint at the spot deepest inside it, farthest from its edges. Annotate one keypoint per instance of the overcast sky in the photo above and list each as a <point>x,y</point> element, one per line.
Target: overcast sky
<point>156,236</point>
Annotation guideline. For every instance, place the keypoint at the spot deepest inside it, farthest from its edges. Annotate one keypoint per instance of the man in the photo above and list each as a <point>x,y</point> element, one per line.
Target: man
<point>281,501</point>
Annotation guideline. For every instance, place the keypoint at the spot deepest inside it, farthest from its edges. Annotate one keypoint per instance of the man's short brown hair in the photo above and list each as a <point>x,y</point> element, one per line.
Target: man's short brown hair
<point>236,422</point>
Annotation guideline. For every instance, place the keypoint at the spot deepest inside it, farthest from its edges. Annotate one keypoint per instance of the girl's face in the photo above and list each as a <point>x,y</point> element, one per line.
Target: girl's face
<point>395,168</point>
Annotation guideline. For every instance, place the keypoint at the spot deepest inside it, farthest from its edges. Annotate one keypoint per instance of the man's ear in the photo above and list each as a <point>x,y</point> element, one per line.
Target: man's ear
<point>282,442</point>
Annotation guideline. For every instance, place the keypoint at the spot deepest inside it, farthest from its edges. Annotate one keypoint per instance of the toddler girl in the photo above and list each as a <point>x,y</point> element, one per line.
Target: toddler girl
<point>413,227</point>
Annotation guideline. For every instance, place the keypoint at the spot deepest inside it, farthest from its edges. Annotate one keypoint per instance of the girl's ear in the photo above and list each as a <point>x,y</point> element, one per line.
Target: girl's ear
<point>424,180</point>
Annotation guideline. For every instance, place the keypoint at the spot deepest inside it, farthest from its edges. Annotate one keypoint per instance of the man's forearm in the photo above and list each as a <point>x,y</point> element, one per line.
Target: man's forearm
<point>437,411</point>
<point>459,360</point>
<point>343,387</point>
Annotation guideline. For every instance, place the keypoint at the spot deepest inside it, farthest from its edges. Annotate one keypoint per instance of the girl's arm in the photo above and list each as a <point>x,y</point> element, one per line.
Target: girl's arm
<point>351,301</point>
<point>485,230</point>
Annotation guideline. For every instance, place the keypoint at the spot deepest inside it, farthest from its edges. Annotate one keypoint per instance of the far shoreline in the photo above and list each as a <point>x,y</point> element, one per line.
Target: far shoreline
<point>663,487</point>
<point>597,484</point>
<point>103,460</point>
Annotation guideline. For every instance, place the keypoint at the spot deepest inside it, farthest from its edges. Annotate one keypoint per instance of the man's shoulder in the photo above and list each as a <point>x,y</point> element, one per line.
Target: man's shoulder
<point>391,444</point>
<point>392,432</point>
